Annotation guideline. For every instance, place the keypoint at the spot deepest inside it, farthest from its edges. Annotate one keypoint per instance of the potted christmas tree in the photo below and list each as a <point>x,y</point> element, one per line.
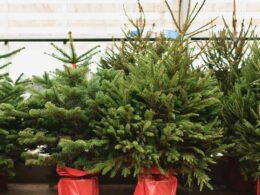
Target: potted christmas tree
<point>241,117</point>
<point>227,55</point>
<point>161,115</point>
<point>56,122</point>
<point>157,114</point>
<point>11,95</point>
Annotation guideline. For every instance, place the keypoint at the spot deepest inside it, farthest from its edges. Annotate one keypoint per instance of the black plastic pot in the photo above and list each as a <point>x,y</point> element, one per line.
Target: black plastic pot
<point>3,183</point>
<point>234,180</point>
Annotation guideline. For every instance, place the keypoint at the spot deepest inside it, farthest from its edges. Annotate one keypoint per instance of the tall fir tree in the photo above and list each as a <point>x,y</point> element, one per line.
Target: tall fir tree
<point>229,55</point>
<point>241,116</point>
<point>158,110</point>
<point>162,114</point>
<point>11,95</point>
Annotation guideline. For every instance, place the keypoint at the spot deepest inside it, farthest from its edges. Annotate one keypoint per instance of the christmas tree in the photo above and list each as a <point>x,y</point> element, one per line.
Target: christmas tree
<point>162,114</point>
<point>228,54</point>
<point>241,116</point>
<point>158,110</point>
<point>56,122</point>
<point>11,95</point>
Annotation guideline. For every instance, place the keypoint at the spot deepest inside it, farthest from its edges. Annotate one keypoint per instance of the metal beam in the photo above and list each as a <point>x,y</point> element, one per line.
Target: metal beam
<point>65,40</point>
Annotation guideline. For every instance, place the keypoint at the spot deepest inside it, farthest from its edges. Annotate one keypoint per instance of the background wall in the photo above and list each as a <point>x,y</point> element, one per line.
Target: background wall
<point>86,18</point>
<point>92,19</point>
<point>246,9</point>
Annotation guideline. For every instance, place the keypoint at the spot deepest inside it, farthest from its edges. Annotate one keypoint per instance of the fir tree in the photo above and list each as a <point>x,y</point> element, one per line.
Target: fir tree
<point>56,115</point>
<point>11,95</point>
<point>228,54</point>
<point>160,112</point>
<point>241,116</point>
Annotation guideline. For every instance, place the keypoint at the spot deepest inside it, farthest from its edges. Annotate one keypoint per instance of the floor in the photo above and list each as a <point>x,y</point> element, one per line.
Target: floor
<point>43,189</point>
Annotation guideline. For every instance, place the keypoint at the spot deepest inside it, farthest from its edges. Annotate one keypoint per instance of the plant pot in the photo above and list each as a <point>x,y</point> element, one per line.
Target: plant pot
<point>41,174</point>
<point>156,184</point>
<point>78,182</point>
<point>3,183</point>
<point>258,186</point>
<point>235,180</point>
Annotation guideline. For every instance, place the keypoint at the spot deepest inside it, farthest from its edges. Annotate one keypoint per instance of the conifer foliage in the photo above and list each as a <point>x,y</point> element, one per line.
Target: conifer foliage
<point>131,45</point>
<point>234,61</point>
<point>56,114</point>
<point>241,116</point>
<point>160,112</point>
<point>226,52</point>
<point>11,95</point>
<point>147,105</point>
<point>72,57</point>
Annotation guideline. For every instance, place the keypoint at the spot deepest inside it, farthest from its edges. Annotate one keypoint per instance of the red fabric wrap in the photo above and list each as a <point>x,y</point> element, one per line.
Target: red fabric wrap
<point>155,183</point>
<point>74,182</point>
<point>152,170</point>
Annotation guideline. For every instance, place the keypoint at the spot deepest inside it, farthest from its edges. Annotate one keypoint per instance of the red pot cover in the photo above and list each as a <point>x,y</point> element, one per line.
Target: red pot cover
<point>258,186</point>
<point>75,183</point>
<point>156,184</point>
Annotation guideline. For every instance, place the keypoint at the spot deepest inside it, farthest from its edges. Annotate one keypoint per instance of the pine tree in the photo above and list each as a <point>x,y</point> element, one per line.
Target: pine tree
<point>56,115</point>
<point>11,95</point>
<point>158,110</point>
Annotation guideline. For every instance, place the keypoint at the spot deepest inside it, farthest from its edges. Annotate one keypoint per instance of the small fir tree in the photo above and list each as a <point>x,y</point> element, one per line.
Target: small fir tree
<point>56,114</point>
<point>11,95</point>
